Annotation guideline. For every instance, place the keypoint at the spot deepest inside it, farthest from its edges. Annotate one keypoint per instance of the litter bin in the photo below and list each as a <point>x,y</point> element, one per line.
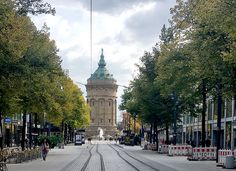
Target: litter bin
<point>229,162</point>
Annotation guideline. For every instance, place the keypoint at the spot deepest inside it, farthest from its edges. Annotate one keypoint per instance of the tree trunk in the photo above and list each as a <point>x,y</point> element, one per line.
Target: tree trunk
<point>167,133</point>
<point>1,131</point>
<point>151,134</point>
<point>70,133</point>
<point>154,129</point>
<point>219,114</point>
<point>7,137</point>
<point>23,131</point>
<point>62,128</point>
<point>36,128</point>
<point>65,134</point>
<point>156,136</point>
<point>203,113</point>
<point>30,130</point>
<point>175,118</point>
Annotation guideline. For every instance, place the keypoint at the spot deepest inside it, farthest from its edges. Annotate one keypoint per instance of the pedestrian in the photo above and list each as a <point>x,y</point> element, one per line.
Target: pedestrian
<point>44,149</point>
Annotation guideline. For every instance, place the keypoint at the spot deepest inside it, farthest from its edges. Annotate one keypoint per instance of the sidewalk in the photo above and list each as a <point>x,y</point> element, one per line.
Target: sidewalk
<point>56,160</point>
<point>179,163</point>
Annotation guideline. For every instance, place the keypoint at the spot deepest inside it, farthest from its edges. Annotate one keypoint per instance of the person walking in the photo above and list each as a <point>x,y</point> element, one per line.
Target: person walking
<point>44,149</point>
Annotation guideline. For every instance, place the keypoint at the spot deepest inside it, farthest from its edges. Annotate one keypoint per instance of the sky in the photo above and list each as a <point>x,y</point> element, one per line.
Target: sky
<point>125,29</point>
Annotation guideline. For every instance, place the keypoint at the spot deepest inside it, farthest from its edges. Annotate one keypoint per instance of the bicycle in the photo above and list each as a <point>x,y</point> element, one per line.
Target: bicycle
<point>3,166</point>
<point>3,159</point>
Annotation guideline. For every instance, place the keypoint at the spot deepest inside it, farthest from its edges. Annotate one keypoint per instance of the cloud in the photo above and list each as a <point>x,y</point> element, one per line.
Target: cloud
<point>144,27</point>
<point>123,28</point>
<point>113,6</point>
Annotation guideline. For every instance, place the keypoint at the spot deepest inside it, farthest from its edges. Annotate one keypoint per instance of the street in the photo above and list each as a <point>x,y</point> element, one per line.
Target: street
<point>109,156</point>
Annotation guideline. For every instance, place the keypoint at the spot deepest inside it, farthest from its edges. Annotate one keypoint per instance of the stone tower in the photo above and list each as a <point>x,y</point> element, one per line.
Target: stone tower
<point>101,96</point>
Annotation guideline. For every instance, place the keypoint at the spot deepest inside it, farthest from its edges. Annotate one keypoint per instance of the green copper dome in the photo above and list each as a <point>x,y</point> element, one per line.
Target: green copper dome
<point>101,73</point>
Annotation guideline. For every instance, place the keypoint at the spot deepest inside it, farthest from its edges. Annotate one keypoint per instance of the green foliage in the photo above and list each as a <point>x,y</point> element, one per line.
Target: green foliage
<point>73,109</point>
<point>15,37</point>
<point>52,140</point>
<point>35,7</point>
<point>143,96</point>
<point>31,77</point>
<point>221,16</point>
<point>195,55</point>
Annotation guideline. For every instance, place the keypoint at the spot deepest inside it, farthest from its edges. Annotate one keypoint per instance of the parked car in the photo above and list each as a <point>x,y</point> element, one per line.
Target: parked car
<point>78,139</point>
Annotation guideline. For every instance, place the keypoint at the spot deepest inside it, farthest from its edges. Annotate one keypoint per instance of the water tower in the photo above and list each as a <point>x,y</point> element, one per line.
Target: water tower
<point>101,90</point>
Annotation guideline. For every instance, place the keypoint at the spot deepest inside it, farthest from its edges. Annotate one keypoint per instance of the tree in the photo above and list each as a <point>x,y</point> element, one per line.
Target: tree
<point>143,96</point>
<point>15,37</point>
<point>37,69</point>
<point>32,80</point>
<point>221,16</point>
<point>35,7</point>
<point>192,63</point>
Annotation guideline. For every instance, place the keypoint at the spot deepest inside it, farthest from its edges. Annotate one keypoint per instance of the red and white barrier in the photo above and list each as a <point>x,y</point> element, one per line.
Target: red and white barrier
<point>180,150</point>
<point>222,156</point>
<point>203,153</point>
<point>163,148</point>
<point>151,146</point>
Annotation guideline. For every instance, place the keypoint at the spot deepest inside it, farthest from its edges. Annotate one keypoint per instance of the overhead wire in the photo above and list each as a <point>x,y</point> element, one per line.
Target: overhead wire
<point>91,36</point>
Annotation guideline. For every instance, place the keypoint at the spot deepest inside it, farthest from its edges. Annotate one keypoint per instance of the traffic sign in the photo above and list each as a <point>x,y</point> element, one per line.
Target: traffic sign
<point>7,120</point>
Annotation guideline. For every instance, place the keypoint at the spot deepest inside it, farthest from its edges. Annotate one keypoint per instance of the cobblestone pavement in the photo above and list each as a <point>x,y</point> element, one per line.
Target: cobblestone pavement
<point>179,163</point>
<point>94,163</point>
<point>115,158</point>
<point>112,161</point>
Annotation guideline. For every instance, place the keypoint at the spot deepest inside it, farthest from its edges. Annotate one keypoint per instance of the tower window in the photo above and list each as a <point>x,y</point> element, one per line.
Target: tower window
<point>109,120</point>
<point>109,103</point>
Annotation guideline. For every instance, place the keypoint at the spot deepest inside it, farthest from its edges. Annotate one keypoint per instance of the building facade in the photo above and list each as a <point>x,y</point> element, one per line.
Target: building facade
<point>189,129</point>
<point>101,96</point>
<point>192,125</point>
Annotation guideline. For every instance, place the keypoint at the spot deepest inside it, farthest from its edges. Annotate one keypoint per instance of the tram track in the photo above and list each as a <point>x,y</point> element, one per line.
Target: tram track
<point>118,153</point>
<point>72,164</point>
<point>85,166</point>
<point>101,159</point>
<point>140,161</point>
<point>87,161</point>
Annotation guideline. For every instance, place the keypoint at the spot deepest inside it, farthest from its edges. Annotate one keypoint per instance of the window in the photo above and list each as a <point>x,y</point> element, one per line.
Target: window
<point>109,120</point>
<point>109,103</point>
